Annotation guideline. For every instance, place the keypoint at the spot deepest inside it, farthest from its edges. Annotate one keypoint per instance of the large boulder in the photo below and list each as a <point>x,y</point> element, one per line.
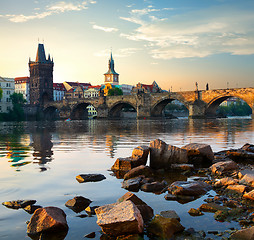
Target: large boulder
<point>137,171</point>
<point>78,203</point>
<point>222,167</point>
<point>120,218</point>
<point>47,221</point>
<point>195,188</point>
<point>163,227</point>
<point>248,179</point>
<point>163,155</point>
<point>239,188</point>
<point>244,234</point>
<point>140,154</point>
<point>199,154</point>
<point>90,178</point>
<point>145,210</point>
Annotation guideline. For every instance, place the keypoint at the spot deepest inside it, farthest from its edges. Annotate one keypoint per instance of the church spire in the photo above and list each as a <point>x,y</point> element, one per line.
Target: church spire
<point>40,56</point>
<point>111,76</point>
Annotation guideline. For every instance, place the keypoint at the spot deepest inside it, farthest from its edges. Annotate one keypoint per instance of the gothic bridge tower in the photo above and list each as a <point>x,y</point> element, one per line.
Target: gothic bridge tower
<point>111,76</point>
<point>41,78</point>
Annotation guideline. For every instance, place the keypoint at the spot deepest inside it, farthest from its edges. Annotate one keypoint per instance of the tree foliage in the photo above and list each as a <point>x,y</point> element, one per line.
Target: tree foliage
<point>237,108</point>
<point>1,93</point>
<point>115,92</point>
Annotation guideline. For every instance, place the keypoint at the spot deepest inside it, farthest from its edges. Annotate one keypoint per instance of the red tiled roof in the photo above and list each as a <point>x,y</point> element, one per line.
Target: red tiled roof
<point>97,86</point>
<point>22,79</point>
<point>72,84</point>
<point>58,86</point>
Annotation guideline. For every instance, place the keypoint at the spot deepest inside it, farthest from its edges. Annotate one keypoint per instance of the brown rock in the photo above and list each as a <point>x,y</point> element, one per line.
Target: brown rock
<point>211,207</point>
<point>226,181</point>
<point>137,171</point>
<point>249,195</point>
<point>125,164</point>
<point>48,220</point>
<point>132,184</point>
<point>195,212</point>
<point>91,210</point>
<point>182,167</point>
<point>90,178</point>
<point>90,235</point>
<point>164,227</point>
<point>240,154</point>
<point>140,154</point>
<point>170,214</point>
<point>145,210</point>
<point>199,153</point>
<point>130,237</point>
<point>237,188</point>
<point>244,234</point>
<point>155,187</point>
<point>248,179</point>
<point>120,219</point>
<point>31,208</point>
<point>222,167</point>
<point>163,155</point>
<point>16,204</point>
<point>78,203</point>
<point>248,147</point>
<point>195,188</point>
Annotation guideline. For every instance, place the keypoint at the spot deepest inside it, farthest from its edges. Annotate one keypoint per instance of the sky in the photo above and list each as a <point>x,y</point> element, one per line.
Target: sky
<point>173,42</point>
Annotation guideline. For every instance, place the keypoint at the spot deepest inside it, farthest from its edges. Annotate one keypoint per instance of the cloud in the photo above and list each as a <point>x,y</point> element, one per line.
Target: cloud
<point>123,52</point>
<point>105,29</point>
<point>59,7</point>
<point>193,34</point>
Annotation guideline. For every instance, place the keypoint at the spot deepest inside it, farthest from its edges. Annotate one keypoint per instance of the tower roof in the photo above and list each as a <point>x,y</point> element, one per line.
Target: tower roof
<point>111,66</point>
<point>41,56</point>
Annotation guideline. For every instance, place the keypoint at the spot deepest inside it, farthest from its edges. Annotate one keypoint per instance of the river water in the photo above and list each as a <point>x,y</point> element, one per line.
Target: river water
<point>40,160</point>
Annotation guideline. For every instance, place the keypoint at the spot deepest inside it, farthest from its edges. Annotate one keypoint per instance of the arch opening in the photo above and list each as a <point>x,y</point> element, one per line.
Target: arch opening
<point>123,110</point>
<point>51,114</point>
<point>45,97</point>
<point>228,106</point>
<point>170,108</point>
<point>83,111</point>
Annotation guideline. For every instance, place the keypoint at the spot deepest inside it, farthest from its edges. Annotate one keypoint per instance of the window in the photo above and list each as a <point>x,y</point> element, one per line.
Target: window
<point>8,108</point>
<point>8,92</point>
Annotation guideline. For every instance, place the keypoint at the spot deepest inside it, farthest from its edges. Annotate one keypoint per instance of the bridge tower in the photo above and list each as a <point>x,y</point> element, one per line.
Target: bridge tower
<point>111,76</point>
<point>41,77</point>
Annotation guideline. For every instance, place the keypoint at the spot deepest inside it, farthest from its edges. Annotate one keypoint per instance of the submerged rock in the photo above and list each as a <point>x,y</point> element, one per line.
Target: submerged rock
<point>120,218</point>
<point>78,203</point>
<point>170,214</point>
<point>199,154</point>
<point>163,227</point>
<point>47,221</point>
<point>155,187</point>
<point>195,212</point>
<point>16,204</point>
<point>212,207</point>
<point>163,155</point>
<point>132,184</point>
<point>90,178</point>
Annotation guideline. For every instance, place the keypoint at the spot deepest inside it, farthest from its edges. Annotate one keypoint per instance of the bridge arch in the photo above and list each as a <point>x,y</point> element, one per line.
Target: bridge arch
<point>81,111</point>
<point>116,109</point>
<point>215,103</point>
<point>159,106</point>
<point>51,113</point>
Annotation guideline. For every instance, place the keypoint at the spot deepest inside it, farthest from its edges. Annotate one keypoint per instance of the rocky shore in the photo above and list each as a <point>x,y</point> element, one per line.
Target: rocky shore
<point>230,174</point>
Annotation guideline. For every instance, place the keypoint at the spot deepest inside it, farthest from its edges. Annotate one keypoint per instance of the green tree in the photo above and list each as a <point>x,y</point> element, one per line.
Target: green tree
<point>1,93</point>
<point>17,112</point>
<point>115,92</point>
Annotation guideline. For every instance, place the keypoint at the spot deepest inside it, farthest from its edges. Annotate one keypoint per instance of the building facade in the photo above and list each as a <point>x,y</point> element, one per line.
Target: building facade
<point>111,76</point>
<point>22,85</point>
<point>8,87</point>
<point>41,77</point>
<point>145,88</point>
<point>58,91</point>
<point>92,91</point>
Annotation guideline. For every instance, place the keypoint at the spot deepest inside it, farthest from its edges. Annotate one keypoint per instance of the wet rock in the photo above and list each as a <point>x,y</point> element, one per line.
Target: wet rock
<point>16,204</point>
<point>226,181</point>
<point>189,188</point>
<point>242,172</point>
<point>120,219</point>
<point>249,195</point>
<point>170,214</point>
<point>145,210</point>
<point>248,147</point>
<point>248,179</point>
<point>182,167</point>
<point>31,208</point>
<point>47,221</point>
<point>212,207</point>
<point>137,171</point>
<point>78,203</point>
<point>132,184</point>
<point>240,154</point>
<point>199,154</point>
<point>91,210</point>
<point>170,197</point>
<point>163,155</point>
<point>238,188</point>
<point>244,234</point>
<point>90,235</point>
<point>221,167</point>
<point>90,178</point>
<point>140,154</point>
<point>195,212</point>
<point>155,187</point>
<point>163,227</point>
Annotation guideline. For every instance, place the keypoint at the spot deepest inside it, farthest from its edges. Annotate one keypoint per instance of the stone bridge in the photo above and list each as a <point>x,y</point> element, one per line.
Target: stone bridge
<point>200,104</point>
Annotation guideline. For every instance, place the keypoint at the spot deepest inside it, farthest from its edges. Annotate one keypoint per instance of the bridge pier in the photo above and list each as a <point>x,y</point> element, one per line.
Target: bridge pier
<point>197,109</point>
<point>102,111</point>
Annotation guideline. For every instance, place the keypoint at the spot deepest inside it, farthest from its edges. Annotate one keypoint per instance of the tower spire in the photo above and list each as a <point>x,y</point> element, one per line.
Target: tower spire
<point>40,56</point>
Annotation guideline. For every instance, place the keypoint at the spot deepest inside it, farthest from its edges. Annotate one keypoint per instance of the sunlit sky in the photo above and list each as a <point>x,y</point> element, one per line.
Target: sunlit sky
<point>174,42</point>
